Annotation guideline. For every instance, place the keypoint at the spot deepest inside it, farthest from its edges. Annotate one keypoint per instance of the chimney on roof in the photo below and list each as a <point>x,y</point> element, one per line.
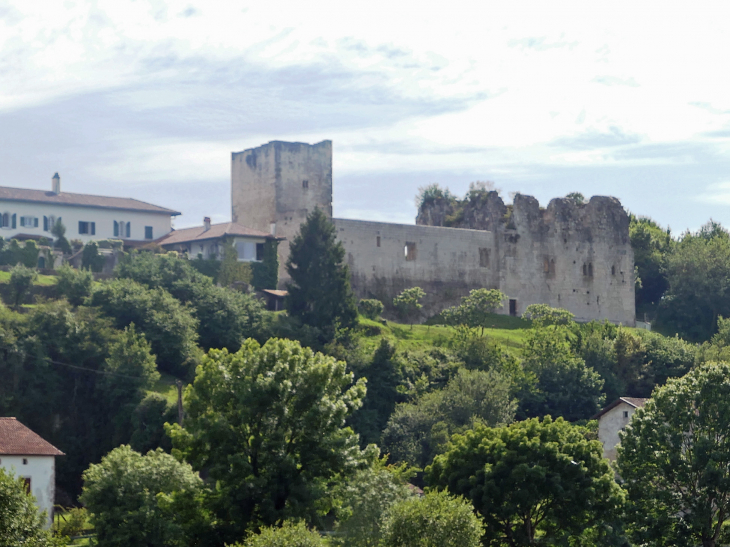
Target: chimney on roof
<point>206,222</point>
<point>56,184</point>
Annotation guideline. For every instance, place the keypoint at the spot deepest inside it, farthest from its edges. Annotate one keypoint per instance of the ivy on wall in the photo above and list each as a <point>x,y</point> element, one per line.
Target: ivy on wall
<point>266,272</point>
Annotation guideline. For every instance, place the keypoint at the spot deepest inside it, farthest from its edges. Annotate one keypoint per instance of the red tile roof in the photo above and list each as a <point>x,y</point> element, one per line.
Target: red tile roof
<point>18,440</point>
<point>216,231</point>
<point>80,200</point>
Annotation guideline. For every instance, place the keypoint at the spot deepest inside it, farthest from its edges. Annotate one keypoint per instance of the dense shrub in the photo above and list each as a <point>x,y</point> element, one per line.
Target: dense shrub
<point>370,308</point>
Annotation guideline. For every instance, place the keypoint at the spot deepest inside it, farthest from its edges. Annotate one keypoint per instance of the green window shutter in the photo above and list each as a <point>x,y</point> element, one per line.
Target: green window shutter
<point>14,220</point>
<point>45,223</point>
<point>35,222</point>
<point>116,229</point>
<point>93,228</point>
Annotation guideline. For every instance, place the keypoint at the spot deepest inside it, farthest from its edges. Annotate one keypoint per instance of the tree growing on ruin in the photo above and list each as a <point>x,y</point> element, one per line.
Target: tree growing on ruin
<point>408,304</point>
<point>674,459</point>
<point>320,294</point>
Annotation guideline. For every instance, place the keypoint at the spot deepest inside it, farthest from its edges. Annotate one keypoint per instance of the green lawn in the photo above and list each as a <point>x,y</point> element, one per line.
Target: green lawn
<point>166,387</point>
<point>42,279</point>
<point>508,331</point>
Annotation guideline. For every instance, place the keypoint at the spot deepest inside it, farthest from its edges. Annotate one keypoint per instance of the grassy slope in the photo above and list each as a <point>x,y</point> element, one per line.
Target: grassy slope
<point>42,279</point>
<point>508,331</point>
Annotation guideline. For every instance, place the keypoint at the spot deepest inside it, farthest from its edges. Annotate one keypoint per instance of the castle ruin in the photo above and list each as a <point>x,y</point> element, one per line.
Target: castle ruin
<point>567,255</point>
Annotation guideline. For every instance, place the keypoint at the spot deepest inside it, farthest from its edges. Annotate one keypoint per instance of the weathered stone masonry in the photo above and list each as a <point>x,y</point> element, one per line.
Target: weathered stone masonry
<point>572,256</point>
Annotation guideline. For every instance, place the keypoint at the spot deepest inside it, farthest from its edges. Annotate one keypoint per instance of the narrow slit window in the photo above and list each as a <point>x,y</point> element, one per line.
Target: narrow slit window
<point>377,241</point>
<point>483,257</point>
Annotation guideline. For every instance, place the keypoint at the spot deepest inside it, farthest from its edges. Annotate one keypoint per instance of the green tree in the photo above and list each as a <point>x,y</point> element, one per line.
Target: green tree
<point>168,325</point>
<point>289,534</point>
<point>370,308</point>
<point>20,521</point>
<point>21,282</point>
<point>225,317</point>
<point>563,384</point>
<point>675,461</point>
<point>319,293</point>
<point>652,246</point>
<point>408,304</point>
<point>91,259</point>
<point>365,499</point>
<point>543,315</point>
<point>417,431</point>
<point>58,230</point>
<point>435,520</point>
<point>74,284</point>
<point>576,197</point>
<point>698,273</point>
<point>148,423</point>
<point>266,272</point>
<point>129,497</point>
<point>534,482</point>
<point>476,309</point>
<point>267,423</point>
<point>231,269</point>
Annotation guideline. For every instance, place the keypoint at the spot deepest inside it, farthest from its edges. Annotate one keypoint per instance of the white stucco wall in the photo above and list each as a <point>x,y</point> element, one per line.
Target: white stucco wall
<point>609,426</point>
<point>212,248</point>
<point>71,215</point>
<point>42,473</point>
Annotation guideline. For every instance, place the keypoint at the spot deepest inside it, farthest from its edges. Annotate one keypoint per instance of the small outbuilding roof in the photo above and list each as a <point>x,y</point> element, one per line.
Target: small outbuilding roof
<point>636,402</point>
<point>18,440</point>
<point>199,233</point>
<point>276,292</point>
<point>80,200</point>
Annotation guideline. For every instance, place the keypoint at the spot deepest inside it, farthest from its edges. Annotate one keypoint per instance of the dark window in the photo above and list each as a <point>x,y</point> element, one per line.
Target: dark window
<point>259,251</point>
<point>5,220</point>
<point>483,257</point>
<point>128,229</point>
<point>35,222</point>
<point>590,269</point>
<point>13,220</point>
<point>83,227</point>
<point>513,307</point>
<point>626,413</point>
<point>148,232</point>
<point>25,461</point>
<point>305,184</point>
<point>410,250</point>
<point>377,241</point>
<point>585,269</point>
<point>116,229</point>
<point>93,228</point>
<point>613,270</point>
<point>45,223</point>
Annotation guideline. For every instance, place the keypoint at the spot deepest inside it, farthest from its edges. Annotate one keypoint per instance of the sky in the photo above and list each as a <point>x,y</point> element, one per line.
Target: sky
<point>148,98</point>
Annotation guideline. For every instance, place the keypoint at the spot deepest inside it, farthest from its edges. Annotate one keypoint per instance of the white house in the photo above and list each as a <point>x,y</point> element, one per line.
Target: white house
<point>32,214</point>
<point>208,240</point>
<point>27,455</point>
<point>614,418</point>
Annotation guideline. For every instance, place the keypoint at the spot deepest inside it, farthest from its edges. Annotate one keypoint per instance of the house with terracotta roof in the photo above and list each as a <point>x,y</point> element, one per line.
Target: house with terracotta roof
<point>25,454</point>
<point>613,419</point>
<point>208,240</point>
<point>31,214</point>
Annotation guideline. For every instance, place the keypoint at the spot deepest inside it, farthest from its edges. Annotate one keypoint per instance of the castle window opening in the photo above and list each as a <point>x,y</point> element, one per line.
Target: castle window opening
<point>613,270</point>
<point>259,251</point>
<point>590,269</point>
<point>551,270</point>
<point>305,184</point>
<point>483,257</point>
<point>513,307</point>
<point>585,269</point>
<point>377,241</point>
<point>410,250</point>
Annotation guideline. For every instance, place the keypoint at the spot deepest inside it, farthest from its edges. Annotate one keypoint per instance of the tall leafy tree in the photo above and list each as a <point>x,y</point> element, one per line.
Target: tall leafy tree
<point>408,304</point>
<point>674,459</point>
<point>137,499</point>
<point>698,273</point>
<point>652,246</point>
<point>475,310</point>
<point>319,293</point>
<point>268,425</point>
<point>534,482</point>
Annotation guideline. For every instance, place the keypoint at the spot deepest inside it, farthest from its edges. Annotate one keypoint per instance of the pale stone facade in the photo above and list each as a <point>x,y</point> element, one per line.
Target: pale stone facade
<point>275,186</point>
<point>612,420</point>
<point>569,255</point>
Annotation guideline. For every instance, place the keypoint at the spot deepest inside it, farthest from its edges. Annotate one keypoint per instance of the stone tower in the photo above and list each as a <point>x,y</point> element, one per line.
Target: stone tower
<point>275,186</point>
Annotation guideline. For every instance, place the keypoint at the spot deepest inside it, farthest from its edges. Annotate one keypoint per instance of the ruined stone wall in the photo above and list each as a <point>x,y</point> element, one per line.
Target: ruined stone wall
<point>281,183</point>
<point>386,258</point>
<point>569,255</point>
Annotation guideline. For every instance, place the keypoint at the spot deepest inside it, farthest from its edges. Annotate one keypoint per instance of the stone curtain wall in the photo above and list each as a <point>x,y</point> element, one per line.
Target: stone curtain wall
<point>568,255</point>
<point>386,258</point>
<point>281,183</point>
